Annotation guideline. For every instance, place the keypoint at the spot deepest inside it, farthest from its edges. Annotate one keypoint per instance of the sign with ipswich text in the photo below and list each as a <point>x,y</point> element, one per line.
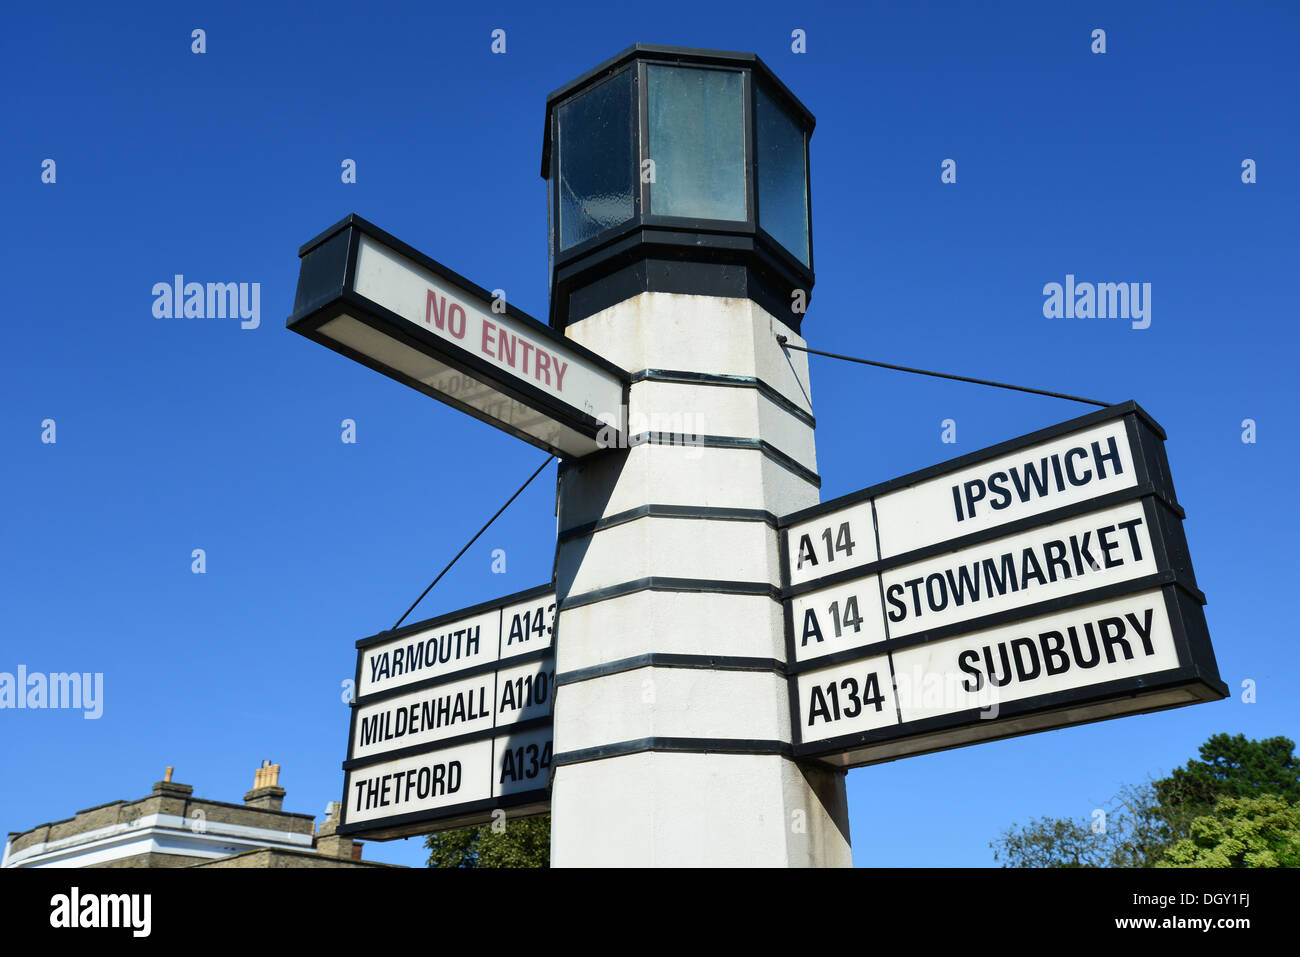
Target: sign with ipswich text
<point>452,720</point>
<point>369,296</point>
<point>1040,583</point>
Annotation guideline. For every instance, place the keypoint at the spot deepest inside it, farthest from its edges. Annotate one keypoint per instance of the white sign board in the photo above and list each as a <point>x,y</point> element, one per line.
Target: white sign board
<point>487,701</point>
<point>983,670</point>
<point>1060,471</point>
<point>463,640</point>
<point>450,787</point>
<point>1040,583</point>
<point>452,720</point>
<point>367,295</point>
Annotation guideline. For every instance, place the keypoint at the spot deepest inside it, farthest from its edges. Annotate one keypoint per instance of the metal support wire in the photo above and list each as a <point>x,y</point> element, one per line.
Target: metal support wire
<point>785,343</point>
<point>473,540</point>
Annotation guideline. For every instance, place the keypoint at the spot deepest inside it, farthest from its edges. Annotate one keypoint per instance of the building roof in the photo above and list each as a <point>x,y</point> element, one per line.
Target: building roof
<point>172,828</point>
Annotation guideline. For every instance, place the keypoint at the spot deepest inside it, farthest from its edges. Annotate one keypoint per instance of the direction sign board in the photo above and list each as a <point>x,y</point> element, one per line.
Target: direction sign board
<point>452,719</point>
<point>1043,582</point>
<point>369,296</point>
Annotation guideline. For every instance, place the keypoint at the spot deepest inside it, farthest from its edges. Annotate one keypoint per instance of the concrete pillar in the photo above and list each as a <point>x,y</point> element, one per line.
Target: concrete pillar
<point>672,721</point>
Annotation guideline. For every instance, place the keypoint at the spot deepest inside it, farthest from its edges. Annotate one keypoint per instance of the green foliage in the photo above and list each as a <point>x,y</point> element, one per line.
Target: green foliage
<point>453,848</point>
<point>514,842</point>
<point>1144,824</point>
<point>1049,842</point>
<point>1124,834</point>
<point>1230,766</point>
<point>1241,832</point>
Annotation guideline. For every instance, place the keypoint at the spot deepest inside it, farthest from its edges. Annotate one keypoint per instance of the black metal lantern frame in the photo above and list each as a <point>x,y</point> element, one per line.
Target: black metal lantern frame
<point>654,252</point>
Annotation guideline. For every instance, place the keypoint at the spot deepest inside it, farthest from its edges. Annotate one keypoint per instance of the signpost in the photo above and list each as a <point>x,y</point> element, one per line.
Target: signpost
<point>452,719</point>
<point>369,296</point>
<point>1040,583</point>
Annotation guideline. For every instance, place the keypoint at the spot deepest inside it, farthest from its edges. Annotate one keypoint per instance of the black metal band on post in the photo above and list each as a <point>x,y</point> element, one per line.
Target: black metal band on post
<point>786,344</point>
<point>681,745</point>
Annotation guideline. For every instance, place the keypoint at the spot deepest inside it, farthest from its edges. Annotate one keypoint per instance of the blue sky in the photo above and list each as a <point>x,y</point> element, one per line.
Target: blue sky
<point>174,435</point>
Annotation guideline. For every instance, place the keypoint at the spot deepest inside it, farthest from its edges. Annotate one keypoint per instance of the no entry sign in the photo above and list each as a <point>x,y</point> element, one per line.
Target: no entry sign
<point>369,296</point>
<point>452,719</point>
<point>1040,583</point>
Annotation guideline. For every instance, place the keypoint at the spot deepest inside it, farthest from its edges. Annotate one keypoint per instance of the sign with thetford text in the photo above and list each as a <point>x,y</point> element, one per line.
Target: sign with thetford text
<point>452,719</point>
<point>369,296</point>
<point>1040,583</point>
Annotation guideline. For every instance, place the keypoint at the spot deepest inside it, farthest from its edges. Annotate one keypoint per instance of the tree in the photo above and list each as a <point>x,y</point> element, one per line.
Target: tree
<point>1241,832</point>
<point>456,848</point>
<point>1124,834</point>
<point>1049,842</point>
<point>510,842</point>
<point>1230,766</point>
<point>1145,822</point>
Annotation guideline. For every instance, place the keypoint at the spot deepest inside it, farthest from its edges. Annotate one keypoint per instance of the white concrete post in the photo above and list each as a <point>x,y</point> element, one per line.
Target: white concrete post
<point>672,715</point>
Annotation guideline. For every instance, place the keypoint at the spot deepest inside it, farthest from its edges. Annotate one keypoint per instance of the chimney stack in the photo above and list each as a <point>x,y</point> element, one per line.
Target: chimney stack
<point>267,793</point>
<point>331,844</point>
<point>171,789</point>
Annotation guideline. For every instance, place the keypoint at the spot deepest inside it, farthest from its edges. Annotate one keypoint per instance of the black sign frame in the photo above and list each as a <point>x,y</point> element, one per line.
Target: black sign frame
<point>469,813</point>
<point>326,281</point>
<point>1197,673</point>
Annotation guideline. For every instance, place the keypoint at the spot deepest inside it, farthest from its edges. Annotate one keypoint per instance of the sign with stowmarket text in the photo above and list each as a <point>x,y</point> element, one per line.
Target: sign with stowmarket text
<point>1036,584</point>
<point>452,719</point>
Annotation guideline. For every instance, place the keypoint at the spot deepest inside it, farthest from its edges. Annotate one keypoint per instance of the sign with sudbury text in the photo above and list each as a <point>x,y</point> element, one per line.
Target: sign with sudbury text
<point>452,719</point>
<point>1040,583</point>
<point>369,296</point>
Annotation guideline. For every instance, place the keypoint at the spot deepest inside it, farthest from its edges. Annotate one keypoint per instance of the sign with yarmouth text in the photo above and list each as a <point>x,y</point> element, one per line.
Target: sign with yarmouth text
<point>452,719</point>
